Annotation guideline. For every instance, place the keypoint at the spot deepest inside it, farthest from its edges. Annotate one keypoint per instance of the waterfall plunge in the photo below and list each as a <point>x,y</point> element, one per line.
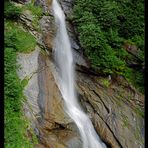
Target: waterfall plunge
<point>64,60</point>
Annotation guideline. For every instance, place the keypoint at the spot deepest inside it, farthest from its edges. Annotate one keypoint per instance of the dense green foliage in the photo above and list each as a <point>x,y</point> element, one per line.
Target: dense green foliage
<point>104,27</point>
<point>14,123</point>
<point>36,10</point>
<point>11,11</point>
<point>16,39</point>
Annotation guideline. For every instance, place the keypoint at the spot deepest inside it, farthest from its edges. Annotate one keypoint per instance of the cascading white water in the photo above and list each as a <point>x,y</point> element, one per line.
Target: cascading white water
<point>64,60</point>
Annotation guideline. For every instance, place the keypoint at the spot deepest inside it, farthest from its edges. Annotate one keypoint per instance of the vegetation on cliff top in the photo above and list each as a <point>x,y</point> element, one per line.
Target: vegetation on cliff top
<point>104,28</point>
<point>16,40</point>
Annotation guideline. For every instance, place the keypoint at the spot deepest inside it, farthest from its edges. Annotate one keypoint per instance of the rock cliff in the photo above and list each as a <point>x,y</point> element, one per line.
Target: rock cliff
<point>114,106</point>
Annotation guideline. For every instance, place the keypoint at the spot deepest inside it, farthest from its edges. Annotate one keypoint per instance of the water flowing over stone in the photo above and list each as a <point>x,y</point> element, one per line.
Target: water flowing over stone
<point>65,77</point>
<point>115,111</point>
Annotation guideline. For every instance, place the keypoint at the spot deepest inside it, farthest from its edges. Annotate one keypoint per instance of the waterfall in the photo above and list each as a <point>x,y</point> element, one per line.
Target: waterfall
<point>65,69</point>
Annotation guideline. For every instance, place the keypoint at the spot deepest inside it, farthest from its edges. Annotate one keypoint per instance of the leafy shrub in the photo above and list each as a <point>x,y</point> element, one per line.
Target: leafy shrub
<point>97,49</point>
<point>113,38</point>
<point>106,82</point>
<point>139,41</point>
<point>135,77</point>
<point>108,15</point>
<point>15,37</point>
<point>141,55</point>
<point>10,39</point>
<point>104,26</point>
<point>13,95</point>
<point>36,10</point>
<point>133,18</point>
<point>11,11</point>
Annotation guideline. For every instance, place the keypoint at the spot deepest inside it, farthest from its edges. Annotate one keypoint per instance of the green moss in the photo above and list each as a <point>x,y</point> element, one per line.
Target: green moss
<point>139,111</point>
<point>129,97</point>
<point>138,136</point>
<point>24,82</point>
<point>118,100</point>
<point>36,10</point>
<point>11,11</point>
<point>35,24</point>
<point>37,13</point>
<point>106,82</point>
<point>16,37</point>
<point>125,120</point>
